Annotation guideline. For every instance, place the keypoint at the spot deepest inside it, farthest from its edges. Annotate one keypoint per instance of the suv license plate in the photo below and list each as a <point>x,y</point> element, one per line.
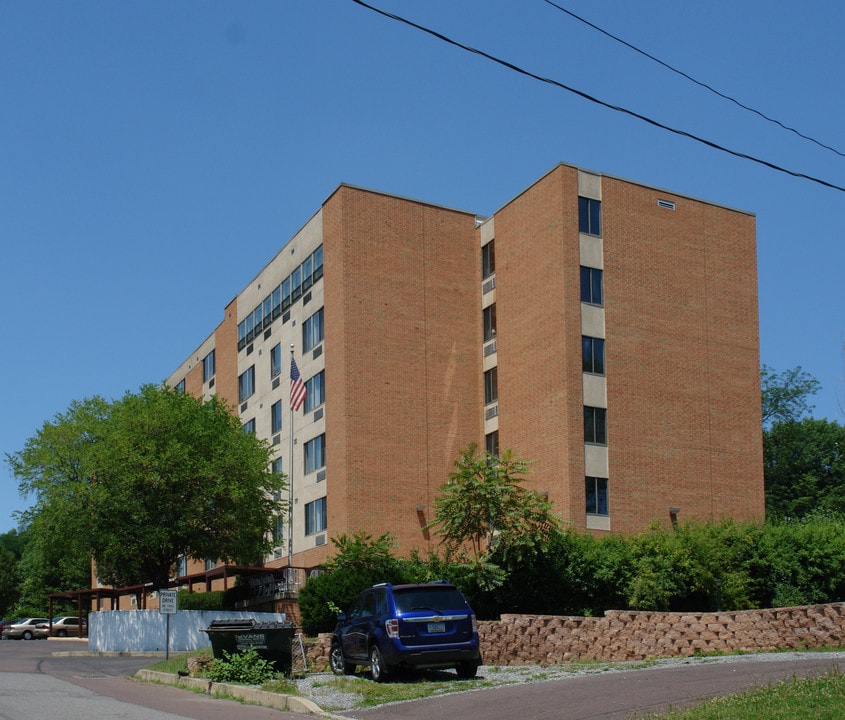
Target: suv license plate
<point>437,627</point>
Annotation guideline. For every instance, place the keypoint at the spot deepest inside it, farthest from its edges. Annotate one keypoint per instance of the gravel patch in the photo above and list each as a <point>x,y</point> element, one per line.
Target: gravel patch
<point>318,686</point>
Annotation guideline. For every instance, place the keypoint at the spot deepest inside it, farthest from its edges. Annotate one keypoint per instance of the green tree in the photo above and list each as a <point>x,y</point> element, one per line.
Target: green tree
<point>12,546</point>
<point>804,468</point>
<point>49,565</point>
<point>785,394</point>
<point>484,507</point>
<point>140,482</point>
<point>359,562</point>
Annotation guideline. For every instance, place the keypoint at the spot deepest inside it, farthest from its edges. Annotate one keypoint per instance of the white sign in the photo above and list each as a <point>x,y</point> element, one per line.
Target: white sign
<point>167,602</point>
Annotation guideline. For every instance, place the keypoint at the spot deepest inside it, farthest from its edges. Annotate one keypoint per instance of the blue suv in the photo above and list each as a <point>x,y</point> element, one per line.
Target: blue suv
<point>394,627</point>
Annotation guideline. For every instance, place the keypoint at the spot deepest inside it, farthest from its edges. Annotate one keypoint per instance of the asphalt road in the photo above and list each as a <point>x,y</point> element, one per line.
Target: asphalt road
<point>55,678</point>
<point>615,695</point>
<point>50,679</point>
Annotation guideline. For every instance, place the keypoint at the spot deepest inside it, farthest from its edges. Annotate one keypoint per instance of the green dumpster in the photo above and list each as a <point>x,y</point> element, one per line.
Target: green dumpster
<point>271,640</point>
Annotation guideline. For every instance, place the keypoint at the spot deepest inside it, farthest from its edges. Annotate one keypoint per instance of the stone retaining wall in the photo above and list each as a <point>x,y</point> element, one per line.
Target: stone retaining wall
<point>627,635</point>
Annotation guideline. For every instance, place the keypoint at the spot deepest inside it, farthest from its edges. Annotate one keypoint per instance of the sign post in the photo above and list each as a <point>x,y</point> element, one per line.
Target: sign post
<point>167,606</point>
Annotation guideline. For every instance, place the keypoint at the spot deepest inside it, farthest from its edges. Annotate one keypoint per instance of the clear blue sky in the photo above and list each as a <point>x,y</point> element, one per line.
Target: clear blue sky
<point>155,155</point>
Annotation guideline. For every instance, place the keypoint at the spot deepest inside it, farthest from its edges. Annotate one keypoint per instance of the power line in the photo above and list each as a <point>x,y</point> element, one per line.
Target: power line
<point>692,79</point>
<point>586,96</point>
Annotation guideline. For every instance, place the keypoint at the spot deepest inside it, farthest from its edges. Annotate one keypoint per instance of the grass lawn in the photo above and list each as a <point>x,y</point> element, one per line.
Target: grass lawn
<point>820,698</point>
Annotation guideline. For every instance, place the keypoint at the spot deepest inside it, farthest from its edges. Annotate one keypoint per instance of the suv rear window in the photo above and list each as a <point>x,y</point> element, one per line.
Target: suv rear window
<point>447,598</point>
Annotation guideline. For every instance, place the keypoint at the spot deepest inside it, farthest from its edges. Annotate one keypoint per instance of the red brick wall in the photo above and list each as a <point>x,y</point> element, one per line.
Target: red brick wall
<point>682,358</point>
<point>403,354</point>
<point>539,337</point>
<point>226,355</point>
<point>683,390</point>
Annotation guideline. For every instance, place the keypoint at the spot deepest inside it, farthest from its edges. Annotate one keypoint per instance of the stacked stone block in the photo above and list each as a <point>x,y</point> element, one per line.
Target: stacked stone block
<point>628,635</point>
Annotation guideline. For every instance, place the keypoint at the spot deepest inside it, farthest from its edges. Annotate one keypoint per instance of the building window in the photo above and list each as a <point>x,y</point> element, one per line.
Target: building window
<point>283,295</point>
<point>315,453</point>
<point>275,360</point>
<point>489,322</point>
<point>278,530</point>
<point>286,301</point>
<point>592,355</point>
<point>180,386</point>
<point>276,469</point>
<point>307,279</point>
<point>182,566</point>
<point>488,259</point>
<point>491,386</point>
<point>491,442</point>
<point>589,216</point>
<point>296,284</point>
<point>596,492</point>
<point>315,391</point>
<point>317,272</point>
<point>210,564</point>
<point>249,426</point>
<point>315,516</point>
<point>276,301</point>
<point>208,367</point>
<point>312,331</point>
<point>246,384</point>
<point>276,417</point>
<point>591,286</point>
<point>595,425</point>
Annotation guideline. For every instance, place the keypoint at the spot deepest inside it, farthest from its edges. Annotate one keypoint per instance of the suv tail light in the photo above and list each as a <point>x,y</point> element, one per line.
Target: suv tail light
<point>392,628</point>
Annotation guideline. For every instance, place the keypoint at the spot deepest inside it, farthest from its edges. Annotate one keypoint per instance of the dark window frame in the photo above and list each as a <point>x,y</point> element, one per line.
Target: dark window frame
<point>275,360</point>
<point>595,425</point>
<point>314,454</point>
<point>246,384</point>
<point>276,417</point>
<point>315,394</point>
<point>488,319</point>
<point>597,500</point>
<point>491,385</point>
<point>592,285</point>
<point>208,367</point>
<point>589,216</point>
<point>491,442</point>
<point>316,516</point>
<point>488,260</point>
<point>313,330</point>
<point>592,355</point>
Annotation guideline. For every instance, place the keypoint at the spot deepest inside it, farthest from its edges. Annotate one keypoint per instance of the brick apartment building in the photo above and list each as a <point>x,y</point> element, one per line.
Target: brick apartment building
<point>603,330</point>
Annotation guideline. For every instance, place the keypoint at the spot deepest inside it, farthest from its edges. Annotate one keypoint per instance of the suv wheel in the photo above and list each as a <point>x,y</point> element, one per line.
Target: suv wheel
<point>466,669</point>
<point>378,669</point>
<point>338,663</point>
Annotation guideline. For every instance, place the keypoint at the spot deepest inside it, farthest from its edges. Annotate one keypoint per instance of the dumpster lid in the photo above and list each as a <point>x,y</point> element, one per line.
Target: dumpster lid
<point>273,625</point>
<point>232,624</point>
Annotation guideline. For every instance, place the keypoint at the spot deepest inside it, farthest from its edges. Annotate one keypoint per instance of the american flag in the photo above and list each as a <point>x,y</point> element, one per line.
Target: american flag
<point>297,387</point>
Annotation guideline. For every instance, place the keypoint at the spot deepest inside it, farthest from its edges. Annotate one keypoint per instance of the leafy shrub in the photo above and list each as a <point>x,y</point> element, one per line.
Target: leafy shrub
<point>361,561</point>
<point>212,600</point>
<point>327,594</point>
<point>693,567</point>
<point>247,668</point>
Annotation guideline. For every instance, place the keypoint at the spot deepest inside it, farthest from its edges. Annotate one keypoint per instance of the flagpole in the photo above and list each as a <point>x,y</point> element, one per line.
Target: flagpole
<point>290,483</point>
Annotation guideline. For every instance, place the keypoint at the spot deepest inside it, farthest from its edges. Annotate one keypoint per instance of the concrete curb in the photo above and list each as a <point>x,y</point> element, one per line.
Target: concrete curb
<point>290,703</point>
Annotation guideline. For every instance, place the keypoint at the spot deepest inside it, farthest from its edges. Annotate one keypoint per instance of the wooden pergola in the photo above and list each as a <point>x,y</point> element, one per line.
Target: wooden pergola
<point>113,595</point>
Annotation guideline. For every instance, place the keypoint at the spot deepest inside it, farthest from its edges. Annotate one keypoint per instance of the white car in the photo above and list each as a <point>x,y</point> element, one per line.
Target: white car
<point>68,626</point>
<point>24,629</point>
